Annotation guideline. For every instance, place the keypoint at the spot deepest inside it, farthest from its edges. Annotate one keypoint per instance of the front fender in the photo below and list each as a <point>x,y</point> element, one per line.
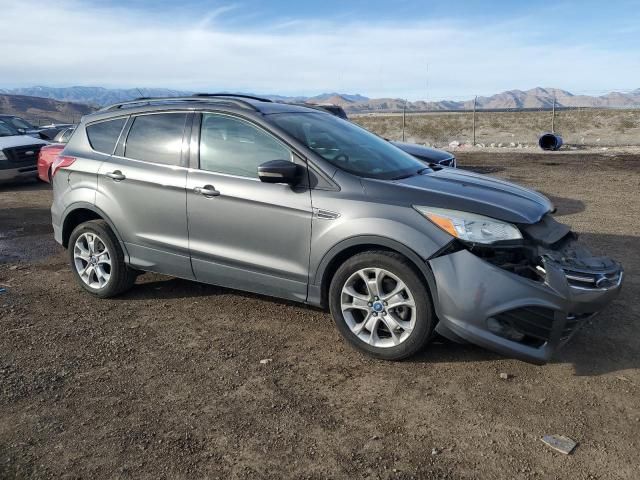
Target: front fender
<point>408,230</point>
<point>413,237</point>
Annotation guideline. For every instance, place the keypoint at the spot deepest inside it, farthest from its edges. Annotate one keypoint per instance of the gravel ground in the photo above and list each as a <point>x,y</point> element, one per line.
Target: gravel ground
<point>167,380</point>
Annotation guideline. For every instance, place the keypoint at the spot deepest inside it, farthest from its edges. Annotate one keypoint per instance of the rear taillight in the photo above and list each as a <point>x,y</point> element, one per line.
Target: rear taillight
<point>61,161</point>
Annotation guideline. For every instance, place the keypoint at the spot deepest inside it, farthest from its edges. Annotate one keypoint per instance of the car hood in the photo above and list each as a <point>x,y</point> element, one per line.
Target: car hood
<point>432,154</point>
<point>19,141</point>
<point>466,191</point>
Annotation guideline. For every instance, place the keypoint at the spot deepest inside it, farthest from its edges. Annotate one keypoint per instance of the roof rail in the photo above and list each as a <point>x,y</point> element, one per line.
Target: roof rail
<point>233,95</point>
<point>168,100</point>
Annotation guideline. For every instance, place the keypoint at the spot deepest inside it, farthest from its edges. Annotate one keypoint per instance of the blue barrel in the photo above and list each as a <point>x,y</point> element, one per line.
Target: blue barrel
<point>550,141</point>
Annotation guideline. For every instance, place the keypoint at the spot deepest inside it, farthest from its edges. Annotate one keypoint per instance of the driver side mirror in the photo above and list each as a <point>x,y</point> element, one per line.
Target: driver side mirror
<point>22,131</point>
<point>279,171</point>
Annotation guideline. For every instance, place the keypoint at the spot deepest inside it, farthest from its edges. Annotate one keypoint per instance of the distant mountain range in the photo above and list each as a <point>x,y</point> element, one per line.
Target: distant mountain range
<point>534,98</point>
<point>43,110</point>
<point>99,96</point>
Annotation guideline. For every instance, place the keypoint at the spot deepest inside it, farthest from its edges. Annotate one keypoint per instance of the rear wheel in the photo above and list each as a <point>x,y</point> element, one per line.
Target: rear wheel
<point>381,305</point>
<point>97,260</point>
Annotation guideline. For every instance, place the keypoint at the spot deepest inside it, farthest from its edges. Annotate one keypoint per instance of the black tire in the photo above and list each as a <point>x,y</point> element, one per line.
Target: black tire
<point>406,271</point>
<point>122,277</point>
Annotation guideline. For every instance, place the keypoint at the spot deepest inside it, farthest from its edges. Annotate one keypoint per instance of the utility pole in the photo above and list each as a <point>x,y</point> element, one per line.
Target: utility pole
<point>475,101</point>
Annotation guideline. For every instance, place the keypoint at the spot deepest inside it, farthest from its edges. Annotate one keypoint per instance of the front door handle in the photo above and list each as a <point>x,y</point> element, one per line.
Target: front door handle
<point>116,175</point>
<point>207,191</point>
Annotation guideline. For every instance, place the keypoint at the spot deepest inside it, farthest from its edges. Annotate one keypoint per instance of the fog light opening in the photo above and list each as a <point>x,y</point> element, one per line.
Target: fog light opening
<point>504,330</point>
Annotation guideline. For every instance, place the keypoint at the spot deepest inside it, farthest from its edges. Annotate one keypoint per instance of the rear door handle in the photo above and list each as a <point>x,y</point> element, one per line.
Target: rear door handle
<point>116,175</point>
<point>207,191</point>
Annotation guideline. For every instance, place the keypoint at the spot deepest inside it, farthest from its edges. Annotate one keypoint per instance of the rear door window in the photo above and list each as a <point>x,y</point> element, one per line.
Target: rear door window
<point>104,135</point>
<point>157,138</point>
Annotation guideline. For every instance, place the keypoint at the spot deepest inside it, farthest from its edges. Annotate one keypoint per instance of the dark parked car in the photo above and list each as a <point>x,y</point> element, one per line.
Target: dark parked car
<point>18,153</point>
<point>50,132</point>
<point>296,203</point>
<point>428,155</point>
<point>24,127</point>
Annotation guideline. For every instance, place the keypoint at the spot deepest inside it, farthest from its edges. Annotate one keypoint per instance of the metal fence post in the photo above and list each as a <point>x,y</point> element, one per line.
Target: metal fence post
<point>404,118</point>
<point>553,115</point>
<point>475,100</point>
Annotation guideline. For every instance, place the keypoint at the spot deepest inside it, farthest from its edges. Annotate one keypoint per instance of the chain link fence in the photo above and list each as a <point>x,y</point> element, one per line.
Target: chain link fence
<point>41,121</point>
<point>515,128</point>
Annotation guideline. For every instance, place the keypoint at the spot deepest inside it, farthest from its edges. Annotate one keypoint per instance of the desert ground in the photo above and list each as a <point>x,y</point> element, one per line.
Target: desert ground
<point>167,381</point>
<point>579,127</point>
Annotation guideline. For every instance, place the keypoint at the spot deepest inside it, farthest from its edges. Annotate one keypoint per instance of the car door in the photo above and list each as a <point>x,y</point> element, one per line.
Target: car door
<point>141,188</point>
<point>244,233</point>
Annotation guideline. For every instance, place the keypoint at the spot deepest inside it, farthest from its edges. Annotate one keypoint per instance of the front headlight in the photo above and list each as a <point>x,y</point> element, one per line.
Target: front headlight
<point>469,226</point>
<point>2,155</point>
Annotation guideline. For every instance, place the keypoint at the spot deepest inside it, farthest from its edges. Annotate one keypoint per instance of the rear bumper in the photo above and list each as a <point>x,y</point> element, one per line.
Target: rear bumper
<point>512,315</point>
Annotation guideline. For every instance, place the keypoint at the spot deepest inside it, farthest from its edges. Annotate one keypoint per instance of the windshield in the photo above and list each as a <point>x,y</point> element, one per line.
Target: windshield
<point>21,123</point>
<point>347,146</point>
<point>6,130</point>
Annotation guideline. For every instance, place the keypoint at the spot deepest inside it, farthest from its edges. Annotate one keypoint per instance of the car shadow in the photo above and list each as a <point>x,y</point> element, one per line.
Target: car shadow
<point>27,185</point>
<point>442,350</point>
<point>151,286</point>
<point>565,205</point>
<point>26,234</point>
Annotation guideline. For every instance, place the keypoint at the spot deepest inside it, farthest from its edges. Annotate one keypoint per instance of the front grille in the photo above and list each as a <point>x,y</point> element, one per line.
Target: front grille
<point>533,325</point>
<point>592,280</point>
<point>23,154</point>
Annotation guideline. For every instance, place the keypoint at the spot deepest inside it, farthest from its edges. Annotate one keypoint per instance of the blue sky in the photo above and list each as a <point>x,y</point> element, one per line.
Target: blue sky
<point>402,48</point>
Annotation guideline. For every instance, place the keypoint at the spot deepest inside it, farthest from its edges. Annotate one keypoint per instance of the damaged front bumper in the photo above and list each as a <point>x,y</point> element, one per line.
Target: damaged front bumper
<point>523,314</point>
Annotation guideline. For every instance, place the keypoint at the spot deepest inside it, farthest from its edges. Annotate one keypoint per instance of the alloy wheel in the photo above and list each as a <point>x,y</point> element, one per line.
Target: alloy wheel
<point>378,307</point>
<point>92,260</point>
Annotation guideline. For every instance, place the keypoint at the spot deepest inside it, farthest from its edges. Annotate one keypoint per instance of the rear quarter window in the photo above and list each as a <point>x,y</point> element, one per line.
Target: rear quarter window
<point>104,135</point>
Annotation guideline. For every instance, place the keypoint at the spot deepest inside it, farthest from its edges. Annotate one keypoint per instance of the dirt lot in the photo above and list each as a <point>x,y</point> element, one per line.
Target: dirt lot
<point>166,381</point>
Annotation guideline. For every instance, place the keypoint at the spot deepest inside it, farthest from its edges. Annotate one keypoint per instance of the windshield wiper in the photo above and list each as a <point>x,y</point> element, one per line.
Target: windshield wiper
<point>401,177</point>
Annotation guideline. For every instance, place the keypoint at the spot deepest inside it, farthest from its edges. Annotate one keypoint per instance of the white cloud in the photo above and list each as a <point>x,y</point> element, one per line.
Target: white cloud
<point>69,42</point>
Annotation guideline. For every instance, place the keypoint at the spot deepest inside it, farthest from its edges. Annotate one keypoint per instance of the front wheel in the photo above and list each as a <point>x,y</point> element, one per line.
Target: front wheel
<point>381,305</point>
<point>97,260</point>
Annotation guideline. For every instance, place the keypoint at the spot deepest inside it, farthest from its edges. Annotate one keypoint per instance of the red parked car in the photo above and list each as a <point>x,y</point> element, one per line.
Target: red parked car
<point>47,155</point>
<point>50,152</point>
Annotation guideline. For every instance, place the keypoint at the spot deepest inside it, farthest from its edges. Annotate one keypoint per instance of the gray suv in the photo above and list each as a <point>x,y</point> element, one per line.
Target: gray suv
<point>295,203</point>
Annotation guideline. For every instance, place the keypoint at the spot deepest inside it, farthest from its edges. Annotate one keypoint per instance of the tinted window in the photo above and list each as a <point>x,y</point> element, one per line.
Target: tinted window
<point>156,138</point>
<point>235,147</point>
<point>348,146</point>
<point>6,130</point>
<point>104,135</point>
<point>21,123</point>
